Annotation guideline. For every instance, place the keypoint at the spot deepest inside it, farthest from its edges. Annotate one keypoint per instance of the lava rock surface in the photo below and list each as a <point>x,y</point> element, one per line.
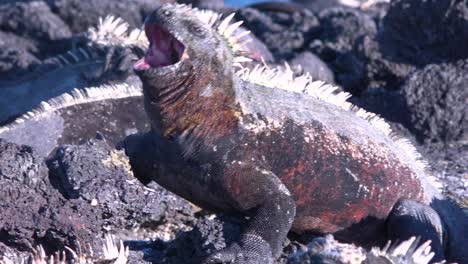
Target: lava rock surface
<point>436,98</point>
<point>33,212</point>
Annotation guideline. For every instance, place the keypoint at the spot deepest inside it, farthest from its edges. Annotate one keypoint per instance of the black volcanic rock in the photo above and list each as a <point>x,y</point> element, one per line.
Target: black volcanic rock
<point>29,32</point>
<point>431,102</point>
<point>208,235</point>
<point>80,15</point>
<point>33,19</point>
<point>318,5</point>
<point>378,64</point>
<point>107,184</point>
<point>16,55</point>
<point>410,35</point>
<point>436,99</point>
<point>91,192</point>
<point>427,31</point>
<point>284,33</point>
<point>33,212</point>
<point>340,29</point>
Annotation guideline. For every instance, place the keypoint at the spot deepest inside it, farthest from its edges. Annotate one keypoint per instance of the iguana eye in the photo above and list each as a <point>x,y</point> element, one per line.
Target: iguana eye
<point>167,13</point>
<point>197,30</point>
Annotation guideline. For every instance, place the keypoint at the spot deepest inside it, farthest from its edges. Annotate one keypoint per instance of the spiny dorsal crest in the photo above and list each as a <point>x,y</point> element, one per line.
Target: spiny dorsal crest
<point>407,251</point>
<point>114,31</point>
<point>223,26</point>
<point>111,253</point>
<point>76,97</point>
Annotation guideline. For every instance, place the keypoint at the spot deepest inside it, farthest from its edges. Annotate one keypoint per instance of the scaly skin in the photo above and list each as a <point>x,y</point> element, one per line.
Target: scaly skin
<point>287,160</point>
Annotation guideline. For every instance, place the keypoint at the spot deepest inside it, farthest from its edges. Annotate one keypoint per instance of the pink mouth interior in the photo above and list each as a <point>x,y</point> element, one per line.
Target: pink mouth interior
<point>164,49</point>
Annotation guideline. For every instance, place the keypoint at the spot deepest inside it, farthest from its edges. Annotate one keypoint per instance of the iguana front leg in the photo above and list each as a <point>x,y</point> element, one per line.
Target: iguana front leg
<point>256,192</point>
<point>271,210</point>
<point>410,218</point>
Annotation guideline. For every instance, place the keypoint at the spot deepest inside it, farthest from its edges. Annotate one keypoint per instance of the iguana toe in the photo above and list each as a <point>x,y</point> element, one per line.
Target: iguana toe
<point>251,252</point>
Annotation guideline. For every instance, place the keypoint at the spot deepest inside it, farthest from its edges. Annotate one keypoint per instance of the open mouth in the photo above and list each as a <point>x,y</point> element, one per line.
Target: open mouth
<point>164,49</point>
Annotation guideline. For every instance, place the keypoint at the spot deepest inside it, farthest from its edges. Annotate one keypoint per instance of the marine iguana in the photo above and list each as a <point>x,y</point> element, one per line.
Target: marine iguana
<point>71,95</point>
<point>288,153</point>
<point>104,56</point>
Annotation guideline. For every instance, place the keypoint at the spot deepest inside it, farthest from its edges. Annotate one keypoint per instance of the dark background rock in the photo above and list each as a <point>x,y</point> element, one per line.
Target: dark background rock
<point>29,32</point>
<point>376,67</point>
<point>34,20</point>
<point>437,99</point>
<point>428,31</point>
<point>80,15</point>
<point>340,28</point>
<point>318,5</point>
<point>293,28</point>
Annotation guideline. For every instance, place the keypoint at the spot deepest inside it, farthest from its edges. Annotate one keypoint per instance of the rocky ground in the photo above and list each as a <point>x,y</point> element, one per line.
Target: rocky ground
<point>404,61</point>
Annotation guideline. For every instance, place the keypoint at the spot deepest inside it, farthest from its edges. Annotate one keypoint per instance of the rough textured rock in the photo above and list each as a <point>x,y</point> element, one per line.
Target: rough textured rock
<point>29,31</point>
<point>449,162</point>
<point>33,212</point>
<point>294,29</point>
<point>377,65</point>
<point>91,192</point>
<point>340,29</point>
<point>428,31</point>
<point>436,99</point>
<point>80,15</point>
<point>17,51</point>
<point>120,201</point>
<point>33,19</point>
<point>410,35</point>
<point>318,5</point>
<point>209,234</point>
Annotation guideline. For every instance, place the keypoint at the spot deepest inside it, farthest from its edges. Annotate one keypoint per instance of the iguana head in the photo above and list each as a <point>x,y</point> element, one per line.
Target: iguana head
<point>183,45</point>
<point>188,68</point>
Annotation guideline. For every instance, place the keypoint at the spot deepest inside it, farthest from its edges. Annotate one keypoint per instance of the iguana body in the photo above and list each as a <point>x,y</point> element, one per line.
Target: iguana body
<point>284,151</point>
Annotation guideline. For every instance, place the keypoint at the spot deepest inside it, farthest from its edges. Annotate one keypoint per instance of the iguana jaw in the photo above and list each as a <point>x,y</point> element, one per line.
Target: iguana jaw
<point>165,52</point>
